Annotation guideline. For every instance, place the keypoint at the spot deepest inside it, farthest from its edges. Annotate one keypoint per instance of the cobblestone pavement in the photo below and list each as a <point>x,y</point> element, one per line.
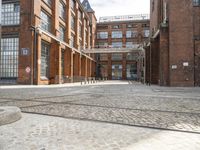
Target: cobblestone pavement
<point>117,102</point>
<point>36,132</point>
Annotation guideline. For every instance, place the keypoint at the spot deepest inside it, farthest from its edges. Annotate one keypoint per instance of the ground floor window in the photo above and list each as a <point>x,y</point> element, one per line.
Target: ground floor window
<point>131,71</point>
<point>116,72</point>
<point>45,60</point>
<point>9,55</point>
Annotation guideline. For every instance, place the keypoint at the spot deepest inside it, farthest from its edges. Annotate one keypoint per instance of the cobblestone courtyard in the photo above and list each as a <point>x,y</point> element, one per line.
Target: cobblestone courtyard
<point>105,115</point>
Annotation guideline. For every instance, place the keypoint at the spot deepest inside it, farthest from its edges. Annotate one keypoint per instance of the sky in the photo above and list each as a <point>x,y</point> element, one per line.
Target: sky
<point>119,7</point>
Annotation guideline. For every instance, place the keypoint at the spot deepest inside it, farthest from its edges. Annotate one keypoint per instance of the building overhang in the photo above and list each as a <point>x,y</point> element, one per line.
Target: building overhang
<point>41,31</point>
<point>112,50</point>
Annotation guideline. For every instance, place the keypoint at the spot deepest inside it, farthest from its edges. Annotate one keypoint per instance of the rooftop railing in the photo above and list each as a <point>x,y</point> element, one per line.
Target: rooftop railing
<point>124,18</point>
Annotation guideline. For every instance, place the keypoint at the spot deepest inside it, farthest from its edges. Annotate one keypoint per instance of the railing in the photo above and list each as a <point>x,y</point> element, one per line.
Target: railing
<point>81,79</point>
<point>124,18</point>
<point>91,80</point>
<point>121,46</point>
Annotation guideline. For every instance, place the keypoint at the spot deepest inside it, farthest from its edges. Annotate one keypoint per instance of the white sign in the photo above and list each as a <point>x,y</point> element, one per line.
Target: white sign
<point>28,69</point>
<point>185,64</point>
<point>174,66</point>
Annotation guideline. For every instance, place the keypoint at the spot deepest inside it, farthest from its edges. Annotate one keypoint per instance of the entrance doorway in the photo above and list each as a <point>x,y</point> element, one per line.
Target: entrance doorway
<point>131,71</point>
<point>116,72</point>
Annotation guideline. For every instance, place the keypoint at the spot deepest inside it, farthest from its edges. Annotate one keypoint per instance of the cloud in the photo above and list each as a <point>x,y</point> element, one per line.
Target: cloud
<point>120,7</point>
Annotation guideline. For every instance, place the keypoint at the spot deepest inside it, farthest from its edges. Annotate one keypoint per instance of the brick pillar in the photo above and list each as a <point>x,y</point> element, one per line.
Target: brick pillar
<point>80,65</point>
<point>72,66</point>
<point>86,67</point>
<point>58,71</point>
<point>93,69</point>
<point>109,67</point>
<point>76,65</point>
<point>154,61</point>
<point>147,64</point>
<point>83,66</point>
<point>164,57</point>
<point>90,68</point>
<point>67,63</point>
<point>124,66</point>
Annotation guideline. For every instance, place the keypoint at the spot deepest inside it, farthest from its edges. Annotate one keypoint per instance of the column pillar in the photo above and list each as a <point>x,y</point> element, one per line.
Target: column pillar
<point>72,66</point>
<point>86,67</point>
<point>38,59</point>
<point>80,65</point>
<point>109,67</point>
<point>90,73</point>
<point>58,67</point>
<point>124,66</point>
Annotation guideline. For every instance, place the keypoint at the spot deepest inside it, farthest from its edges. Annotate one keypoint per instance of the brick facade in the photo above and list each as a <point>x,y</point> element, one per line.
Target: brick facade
<point>173,52</point>
<point>66,63</point>
<point>136,26</point>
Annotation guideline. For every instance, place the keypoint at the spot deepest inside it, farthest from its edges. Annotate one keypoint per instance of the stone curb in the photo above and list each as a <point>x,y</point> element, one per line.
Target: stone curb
<point>9,115</point>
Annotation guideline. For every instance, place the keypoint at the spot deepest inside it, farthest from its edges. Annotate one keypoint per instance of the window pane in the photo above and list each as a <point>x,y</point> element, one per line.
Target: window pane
<point>45,60</point>
<point>117,44</point>
<point>117,34</point>
<point>62,12</point>
<point>116,56</point>
<point>196,2</point>
<point>146,33</point>
<point>9,57</point>
<point>48,2</point>
<point>45,21</point>
<point>72,4</point>
<point>103,57</point>
<point>10,14</point>
<point>131,34</point>
<point>102,35</point>
<point>72,22</point>
<point>62,33</point>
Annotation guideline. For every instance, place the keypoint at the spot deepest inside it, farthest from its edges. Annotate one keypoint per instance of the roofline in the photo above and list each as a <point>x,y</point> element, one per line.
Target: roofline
<point>125,21</point>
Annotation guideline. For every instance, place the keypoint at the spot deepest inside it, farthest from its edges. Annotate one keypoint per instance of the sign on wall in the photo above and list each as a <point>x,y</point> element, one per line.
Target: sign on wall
<point>25,51</point>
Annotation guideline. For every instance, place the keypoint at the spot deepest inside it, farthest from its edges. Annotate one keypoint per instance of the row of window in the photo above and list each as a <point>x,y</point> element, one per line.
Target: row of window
<point>118,34</point>
<point>118,56</point>
<point>120,26</point>
<point>131,71</point>
<point>117,45</point>
<point>46,21</point>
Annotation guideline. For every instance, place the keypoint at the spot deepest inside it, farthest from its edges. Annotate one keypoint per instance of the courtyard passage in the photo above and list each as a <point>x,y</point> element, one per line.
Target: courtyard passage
<point>102,116</point>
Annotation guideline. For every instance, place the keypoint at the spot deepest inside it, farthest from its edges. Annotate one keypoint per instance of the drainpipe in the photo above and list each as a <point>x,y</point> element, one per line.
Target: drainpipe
<point>34,29</point>
<point>0,22</point>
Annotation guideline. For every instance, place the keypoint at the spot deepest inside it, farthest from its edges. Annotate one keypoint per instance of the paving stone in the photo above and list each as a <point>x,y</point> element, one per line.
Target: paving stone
<point>101,105</point>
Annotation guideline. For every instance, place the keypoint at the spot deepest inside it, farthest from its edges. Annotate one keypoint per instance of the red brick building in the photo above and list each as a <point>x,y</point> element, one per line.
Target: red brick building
<point>173,54</point>
<point>119,38</point>
<point>43,41</point>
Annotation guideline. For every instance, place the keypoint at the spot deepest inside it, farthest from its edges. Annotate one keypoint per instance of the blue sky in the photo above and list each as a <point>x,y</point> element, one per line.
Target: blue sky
<point>120,7</point>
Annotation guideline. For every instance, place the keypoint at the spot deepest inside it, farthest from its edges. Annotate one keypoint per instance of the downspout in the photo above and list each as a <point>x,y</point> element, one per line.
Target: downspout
<point>0,25</point>
<point>32,66</point>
